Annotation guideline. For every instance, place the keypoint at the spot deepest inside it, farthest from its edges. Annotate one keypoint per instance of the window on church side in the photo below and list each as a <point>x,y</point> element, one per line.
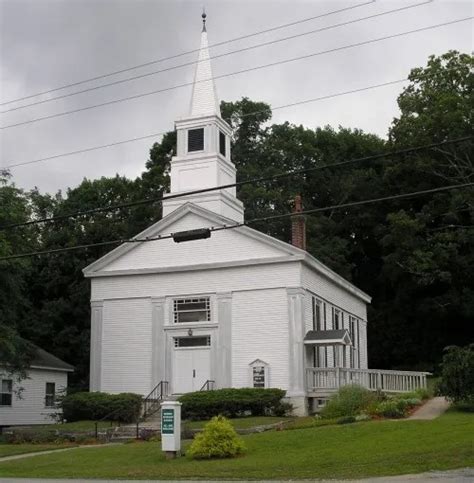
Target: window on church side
<point>317,306</point>
<point>192,310</point>
<point>222,143</point>
<point>196,139</point>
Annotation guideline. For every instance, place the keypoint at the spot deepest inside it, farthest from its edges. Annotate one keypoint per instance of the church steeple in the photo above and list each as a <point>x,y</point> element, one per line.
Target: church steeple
<point>203,148</point>
<point>204,98</point>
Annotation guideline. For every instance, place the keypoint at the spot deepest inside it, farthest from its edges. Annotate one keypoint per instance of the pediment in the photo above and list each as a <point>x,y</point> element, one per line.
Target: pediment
<point>230,246</point>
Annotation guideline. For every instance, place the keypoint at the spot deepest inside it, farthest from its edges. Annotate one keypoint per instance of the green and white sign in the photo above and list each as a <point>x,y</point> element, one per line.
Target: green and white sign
<point>167,421</point>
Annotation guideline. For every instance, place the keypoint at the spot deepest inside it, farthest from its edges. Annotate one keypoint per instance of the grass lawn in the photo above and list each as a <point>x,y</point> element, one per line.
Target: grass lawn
<point>242,423</point>
<point>13,449</point>
<point>342,451</point>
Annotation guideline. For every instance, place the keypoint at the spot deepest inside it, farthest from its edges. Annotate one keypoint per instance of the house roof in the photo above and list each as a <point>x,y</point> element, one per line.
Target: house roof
<point>43,359</point>
<point>322,337</point>
<point>289,252</point>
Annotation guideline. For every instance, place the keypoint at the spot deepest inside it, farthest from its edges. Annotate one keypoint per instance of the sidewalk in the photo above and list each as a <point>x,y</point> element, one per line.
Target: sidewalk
<point>432,409</point>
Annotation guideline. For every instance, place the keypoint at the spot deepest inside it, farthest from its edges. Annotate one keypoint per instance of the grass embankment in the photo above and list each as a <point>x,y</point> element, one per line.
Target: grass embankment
<point>343,451</point>
<point>76,426</point>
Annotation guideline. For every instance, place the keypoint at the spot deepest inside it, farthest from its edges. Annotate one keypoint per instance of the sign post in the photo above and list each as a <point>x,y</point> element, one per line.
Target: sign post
<point>171,428</point>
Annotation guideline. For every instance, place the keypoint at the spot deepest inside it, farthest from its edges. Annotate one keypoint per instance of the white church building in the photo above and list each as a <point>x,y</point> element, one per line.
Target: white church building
<point>236,309</point>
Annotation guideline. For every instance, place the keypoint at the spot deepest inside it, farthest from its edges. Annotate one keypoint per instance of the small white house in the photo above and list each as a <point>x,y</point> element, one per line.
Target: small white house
<point>33,400</point>
<point>237,309</point>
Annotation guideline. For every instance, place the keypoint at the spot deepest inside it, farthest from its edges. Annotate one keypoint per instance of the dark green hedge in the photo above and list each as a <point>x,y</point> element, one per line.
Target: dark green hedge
<point>233,403</point>
<point>97,405</point>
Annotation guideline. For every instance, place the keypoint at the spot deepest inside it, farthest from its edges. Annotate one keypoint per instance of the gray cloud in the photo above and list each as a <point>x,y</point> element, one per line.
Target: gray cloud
<point>46,43</point>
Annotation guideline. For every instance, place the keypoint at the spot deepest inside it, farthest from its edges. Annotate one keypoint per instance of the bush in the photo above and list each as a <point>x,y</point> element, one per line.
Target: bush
<point>218,440</point>
<point>233,403</point>
<point>126,407</point>
<point>346,420</point>
<point>349,401</point>
<point>392,408</point>
<point>457,374</point>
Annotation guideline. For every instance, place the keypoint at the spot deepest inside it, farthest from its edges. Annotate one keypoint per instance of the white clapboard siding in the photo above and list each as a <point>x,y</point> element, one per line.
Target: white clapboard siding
<point>260,331</point>
<point>28,404</point>
<point>226,245</point>
<point>126,346</point>
<point>333,293</point>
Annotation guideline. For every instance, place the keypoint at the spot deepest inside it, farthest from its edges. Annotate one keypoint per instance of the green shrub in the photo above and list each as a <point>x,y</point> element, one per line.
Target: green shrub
<point>233,403</point>
<point>349,401</point>
<point>392,408</point>
<point>125,407</point>
<point>218,440</point>
<point>457,374</point>
<point>346,420</point>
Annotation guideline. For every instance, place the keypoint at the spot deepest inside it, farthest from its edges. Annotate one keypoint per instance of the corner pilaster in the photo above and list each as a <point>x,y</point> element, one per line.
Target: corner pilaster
<point>158,341</point>
<point>223,352</point>
<point>95,377</point>
<point>296,386</point>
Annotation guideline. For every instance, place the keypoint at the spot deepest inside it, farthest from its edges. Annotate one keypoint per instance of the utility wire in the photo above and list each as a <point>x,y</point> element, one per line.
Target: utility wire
<point>285,174</point>
<point>297,103</point>
<point>162,59</point>
<point>249,222</point>
<point>250,69</point>
<point>225,54</point>
<point>253,113</point>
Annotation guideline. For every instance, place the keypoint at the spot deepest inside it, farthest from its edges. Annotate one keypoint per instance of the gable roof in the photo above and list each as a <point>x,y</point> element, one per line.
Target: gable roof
<point>45,360</point>
<point>288,252</point>
<point>324,337</point>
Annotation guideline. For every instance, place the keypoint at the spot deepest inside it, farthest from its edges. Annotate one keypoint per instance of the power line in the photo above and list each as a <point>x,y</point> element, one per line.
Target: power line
<point>153,135</point>
<point>162,59</point>
<point>225,54</point>
<point>251,69</point>
<point>284,106</point>
<point>249,222</point>
<point>282,175</point>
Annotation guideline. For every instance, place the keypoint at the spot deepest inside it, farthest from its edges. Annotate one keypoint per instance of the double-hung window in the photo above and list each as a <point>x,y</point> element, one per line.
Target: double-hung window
<point>192,310</point>
<point>6,392</point>
<point>50,397</point>
<point>336,319</point>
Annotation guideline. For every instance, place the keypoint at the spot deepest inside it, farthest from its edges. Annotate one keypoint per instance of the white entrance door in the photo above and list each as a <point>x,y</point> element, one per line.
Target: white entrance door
<point>191,369</point>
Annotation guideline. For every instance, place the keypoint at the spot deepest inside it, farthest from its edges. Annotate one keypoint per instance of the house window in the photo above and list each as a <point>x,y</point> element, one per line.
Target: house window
<point>192,341</point>
<point>6,392</point>
<point>192,310</point>
<point>317,313</point>
<point>50,398</point>
<point>196,139</point>
<point>222,143</point>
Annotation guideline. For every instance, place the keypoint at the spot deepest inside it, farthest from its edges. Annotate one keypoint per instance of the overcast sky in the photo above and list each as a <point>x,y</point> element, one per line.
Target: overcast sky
<point>50,43</point>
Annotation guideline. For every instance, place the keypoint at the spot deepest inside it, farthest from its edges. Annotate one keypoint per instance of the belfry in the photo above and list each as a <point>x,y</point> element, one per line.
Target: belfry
<point>203,157</point>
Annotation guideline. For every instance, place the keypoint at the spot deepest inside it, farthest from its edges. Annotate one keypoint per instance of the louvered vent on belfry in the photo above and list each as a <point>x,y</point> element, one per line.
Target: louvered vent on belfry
<point>222,143</point>
<point>196,139</point>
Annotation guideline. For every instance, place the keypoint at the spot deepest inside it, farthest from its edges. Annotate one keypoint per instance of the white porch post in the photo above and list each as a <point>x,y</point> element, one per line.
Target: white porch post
<point>296,331</point>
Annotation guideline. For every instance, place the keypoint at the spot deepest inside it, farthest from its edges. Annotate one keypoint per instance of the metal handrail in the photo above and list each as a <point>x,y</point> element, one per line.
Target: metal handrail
<point>152,402</point>
<point>207,385</point>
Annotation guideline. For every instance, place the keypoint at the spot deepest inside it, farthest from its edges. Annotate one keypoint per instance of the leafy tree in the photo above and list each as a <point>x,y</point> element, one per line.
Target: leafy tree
<point>457,374</point>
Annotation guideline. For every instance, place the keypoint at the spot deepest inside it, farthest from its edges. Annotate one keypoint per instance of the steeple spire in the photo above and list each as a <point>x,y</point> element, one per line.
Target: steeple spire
<point>204,100</point>
<point>204,19</point>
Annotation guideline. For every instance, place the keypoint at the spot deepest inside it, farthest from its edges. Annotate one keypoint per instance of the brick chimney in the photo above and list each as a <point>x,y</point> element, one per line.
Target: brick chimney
<point>298,225</point>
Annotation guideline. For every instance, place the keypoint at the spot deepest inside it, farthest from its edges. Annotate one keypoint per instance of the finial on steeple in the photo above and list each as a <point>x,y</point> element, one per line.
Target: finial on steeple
<point>204,19</point>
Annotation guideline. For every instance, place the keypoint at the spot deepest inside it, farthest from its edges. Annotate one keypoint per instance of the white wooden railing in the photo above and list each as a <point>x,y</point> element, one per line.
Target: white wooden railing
<point>329,379</point>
